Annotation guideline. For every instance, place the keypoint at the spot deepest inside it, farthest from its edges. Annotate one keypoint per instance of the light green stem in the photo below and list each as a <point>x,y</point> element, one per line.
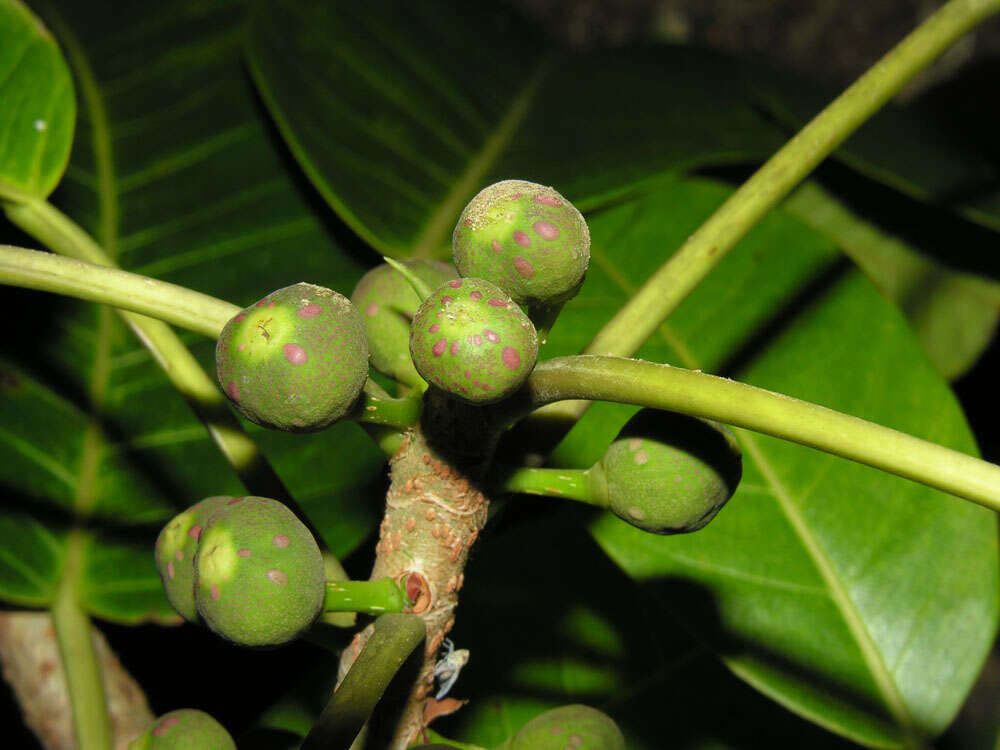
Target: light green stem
<point>84,680</point>
<point>702,395</point>
<point>571,484</point>
<point>678,277</point>
<point>367,597</point>
<point>60,234</point>
<point>170,303</point>
<point>400,413</point>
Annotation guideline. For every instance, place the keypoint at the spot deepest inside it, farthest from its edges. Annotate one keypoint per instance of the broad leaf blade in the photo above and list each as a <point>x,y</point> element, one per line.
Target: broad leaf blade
<point>831,587</point>
<point>38,111</point>
<point>399,114</point>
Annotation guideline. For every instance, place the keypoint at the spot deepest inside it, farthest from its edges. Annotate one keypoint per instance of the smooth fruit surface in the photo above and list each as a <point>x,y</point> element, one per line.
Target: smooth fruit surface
<point>184,729</point>
<point>295,360</point>
<point>471,340</point>
<point>259,575</point>
<point>525,238</point>
<point>387,303</point>
<point>575,727</point>
<point>176,547</point>
<point>669,473</point>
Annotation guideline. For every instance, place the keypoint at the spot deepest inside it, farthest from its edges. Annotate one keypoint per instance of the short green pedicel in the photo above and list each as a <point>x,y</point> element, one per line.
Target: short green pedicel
<point>470,339</point>
<point>184,729</point>
<point>296,360</point>
<point>175,551</point>
<point>387,303</point>
<point>668,473</point>
<point>259,575</point>
<point>575,727</point>
<point>525,238</point>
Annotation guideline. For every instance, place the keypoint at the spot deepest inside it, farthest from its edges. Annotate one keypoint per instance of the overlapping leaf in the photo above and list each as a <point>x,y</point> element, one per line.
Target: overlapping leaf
<point>833,588</point>
<point>400,113</point>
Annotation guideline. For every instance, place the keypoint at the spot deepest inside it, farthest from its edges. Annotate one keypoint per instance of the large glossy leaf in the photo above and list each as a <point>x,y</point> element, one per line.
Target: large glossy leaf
<point>400,113</point>
<point>36,119</point>
<point>833,588</point>
<point>954,314</point>
<point>175,172</point>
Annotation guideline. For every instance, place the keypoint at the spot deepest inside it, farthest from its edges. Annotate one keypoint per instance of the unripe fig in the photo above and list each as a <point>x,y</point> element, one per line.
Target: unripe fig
<point>469,339</point>
<point>578,727</point>
<point>184,729</point>
<point>668,473</point>
<point>175,551</point>
<point>294,361</point>
<point>525,238</point>
<point>259,575</point>
<point>387,302</point>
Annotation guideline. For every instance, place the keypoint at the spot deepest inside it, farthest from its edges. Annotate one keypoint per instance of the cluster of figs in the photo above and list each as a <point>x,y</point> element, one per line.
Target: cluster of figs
<point>297,361</point>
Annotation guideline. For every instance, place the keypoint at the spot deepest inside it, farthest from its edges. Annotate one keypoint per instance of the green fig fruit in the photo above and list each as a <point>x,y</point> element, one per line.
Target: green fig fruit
<point>259,574</point>
<point>175,551</point>
<point>184,729</point>
<point>470,339</point>
<point>575,727</point>
<point>668,473</point>
<point>525,238</point>
<point>296,360</point>
<point>387,303</point>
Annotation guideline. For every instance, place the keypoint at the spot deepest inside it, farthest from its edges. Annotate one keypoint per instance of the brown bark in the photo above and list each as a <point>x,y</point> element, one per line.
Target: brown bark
<point>30,656</point>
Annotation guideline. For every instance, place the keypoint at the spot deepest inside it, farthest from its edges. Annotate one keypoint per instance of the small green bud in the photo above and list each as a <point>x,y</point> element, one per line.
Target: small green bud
<point>577,727</point>
<point>669,473</point>
<point>294,361</point>
<point>184,729</point>
<point>175,550</point>
<point>469,339</point>
<point>259,575</point>
<point>525,238</point>
<point>387,302</point>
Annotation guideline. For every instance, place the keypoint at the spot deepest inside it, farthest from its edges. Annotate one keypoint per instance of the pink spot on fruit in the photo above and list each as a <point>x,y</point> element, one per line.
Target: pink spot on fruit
<point>170,569</point>
<point>240,318</point>
<point>455,283</point>
<point>497,302</point>
<point>195,532</point>
<point>446,300</point>
<point>213,591</point>
<point>435,328</point>
<point>510,358</point>
<point>295,354</point>
<point>546,230</point>
<point>372,309</point>
<point>491,336</point>
<point>548,200</point>
<point>439,346</point>
<point>277,577</point>
<point>523,267</point>
<point>179,555</point>
<point>235,500</point>
<point>522,239</point>
<point>454,347</point>
<point>485,386</point>
<point>309,311</point>
<point>477,339</point>
<point>271,303</point>
<point>281,541</point>
<point>261,303</point>
<point>233,391</point>
<point>243,552</point>
<point>164,726</point>
<point>476,296</point>
<point>241,347</point>
<point>496,247</point>
<point>468,375</point>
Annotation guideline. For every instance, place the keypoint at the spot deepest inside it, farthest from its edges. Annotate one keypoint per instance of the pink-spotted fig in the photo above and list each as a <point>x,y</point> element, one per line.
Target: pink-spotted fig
<point>577,727</point>
<point>668,473</point>
<point>387,303</point>
<point>184,729</point>
<point>259,574</point>
<point>294,361</point>
<point>175,551</point>
<point>525,238</point>
<point>469,339</point>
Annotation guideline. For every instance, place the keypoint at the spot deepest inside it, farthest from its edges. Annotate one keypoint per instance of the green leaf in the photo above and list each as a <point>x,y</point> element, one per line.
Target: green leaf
<point>401,113</point>
<point>38,110</point>
<point>858,600</point>
<point>176,174</point>
<point>954,314</point>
